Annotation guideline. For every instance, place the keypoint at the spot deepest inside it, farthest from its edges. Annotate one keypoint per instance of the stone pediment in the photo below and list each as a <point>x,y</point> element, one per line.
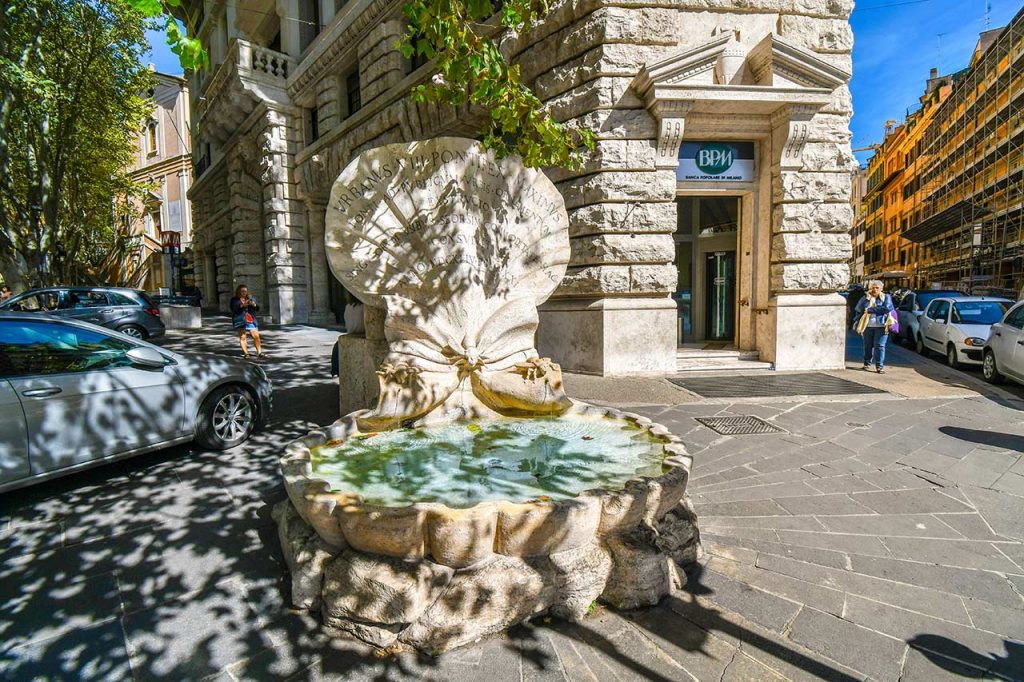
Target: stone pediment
<point>725,62</point>
<point>776,63</point>
<point>771,85</point>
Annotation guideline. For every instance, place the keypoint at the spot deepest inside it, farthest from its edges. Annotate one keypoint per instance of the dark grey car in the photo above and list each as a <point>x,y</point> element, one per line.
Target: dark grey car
<point>128,311</point>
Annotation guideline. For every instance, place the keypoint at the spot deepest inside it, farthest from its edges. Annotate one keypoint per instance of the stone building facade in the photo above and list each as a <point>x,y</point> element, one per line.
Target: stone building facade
<point>746,251</point>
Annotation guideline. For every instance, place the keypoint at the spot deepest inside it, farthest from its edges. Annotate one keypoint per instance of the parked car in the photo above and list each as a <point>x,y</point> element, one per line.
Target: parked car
<point>128,311</point>
<point>74,394</point>
<point>959,327</point>
<point>852,294</point>
<point>911,307</point>
<point>1004,352</point>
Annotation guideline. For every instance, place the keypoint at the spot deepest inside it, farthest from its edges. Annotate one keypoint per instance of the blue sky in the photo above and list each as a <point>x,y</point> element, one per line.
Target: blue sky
<point>896,42</point>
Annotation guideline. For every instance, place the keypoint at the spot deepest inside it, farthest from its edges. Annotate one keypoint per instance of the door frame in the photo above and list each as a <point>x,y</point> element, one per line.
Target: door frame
<point>747,194</point>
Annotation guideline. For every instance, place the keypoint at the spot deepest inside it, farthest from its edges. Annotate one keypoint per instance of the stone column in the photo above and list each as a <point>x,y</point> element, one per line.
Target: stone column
<point>809,250</point>
<point>222,258</point>
<point>319,273</point>
<point>380,61</point>
<point>247,259</point>
<point>284,228</point>
<point>291,40</point>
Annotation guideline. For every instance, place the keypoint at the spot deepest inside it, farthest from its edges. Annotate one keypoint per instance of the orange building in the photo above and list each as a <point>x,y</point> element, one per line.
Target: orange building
<point>969,214</point>
<point>892,202</point>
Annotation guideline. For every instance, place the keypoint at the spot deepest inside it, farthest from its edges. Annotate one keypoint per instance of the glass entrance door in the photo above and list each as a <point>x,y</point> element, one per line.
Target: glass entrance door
<point>706,237</point>
<point>720,295</point>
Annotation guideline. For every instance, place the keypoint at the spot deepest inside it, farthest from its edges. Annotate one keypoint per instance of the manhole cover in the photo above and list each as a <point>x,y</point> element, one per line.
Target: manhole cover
<point>739,426</point>
<point>771,385</point>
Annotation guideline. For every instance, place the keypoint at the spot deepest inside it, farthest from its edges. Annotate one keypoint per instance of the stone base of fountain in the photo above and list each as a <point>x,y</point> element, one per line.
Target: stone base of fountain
<point>433,608</point>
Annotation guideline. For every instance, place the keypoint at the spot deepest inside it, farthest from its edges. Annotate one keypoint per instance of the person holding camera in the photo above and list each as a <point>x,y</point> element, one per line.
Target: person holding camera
<point>243,319</point>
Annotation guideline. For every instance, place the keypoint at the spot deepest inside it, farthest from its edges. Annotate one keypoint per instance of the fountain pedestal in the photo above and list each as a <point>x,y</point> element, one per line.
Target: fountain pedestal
<point>433,608</point>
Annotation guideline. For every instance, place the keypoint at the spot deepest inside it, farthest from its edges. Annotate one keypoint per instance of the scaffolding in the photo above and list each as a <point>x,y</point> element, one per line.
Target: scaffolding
<point>970,221</point>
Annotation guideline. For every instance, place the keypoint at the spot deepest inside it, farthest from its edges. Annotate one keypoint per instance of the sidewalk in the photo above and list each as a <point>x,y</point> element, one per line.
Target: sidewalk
<point>875,537</point>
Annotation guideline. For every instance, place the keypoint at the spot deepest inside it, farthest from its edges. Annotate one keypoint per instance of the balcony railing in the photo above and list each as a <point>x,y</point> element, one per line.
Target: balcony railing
<point>244,62</point>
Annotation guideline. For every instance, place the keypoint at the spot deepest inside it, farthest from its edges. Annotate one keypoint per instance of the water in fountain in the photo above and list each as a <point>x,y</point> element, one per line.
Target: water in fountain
<point>463,463</point>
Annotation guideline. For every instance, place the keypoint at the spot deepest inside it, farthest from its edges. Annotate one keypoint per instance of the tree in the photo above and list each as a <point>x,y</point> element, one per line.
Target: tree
<point>457,35</point>
<point>470,66</point>
<point>72,102</point>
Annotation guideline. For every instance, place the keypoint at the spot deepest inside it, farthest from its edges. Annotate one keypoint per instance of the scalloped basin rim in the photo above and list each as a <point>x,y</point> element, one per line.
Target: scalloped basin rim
<point>460,537</point>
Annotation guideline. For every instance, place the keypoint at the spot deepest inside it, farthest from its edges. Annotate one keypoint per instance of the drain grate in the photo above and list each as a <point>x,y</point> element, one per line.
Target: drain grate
<point>771,385</point>
<point>739,426</point>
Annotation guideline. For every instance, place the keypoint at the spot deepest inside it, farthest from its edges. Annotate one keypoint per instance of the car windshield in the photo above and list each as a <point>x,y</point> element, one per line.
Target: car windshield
<point>926,297</point>
<point>978,312</point>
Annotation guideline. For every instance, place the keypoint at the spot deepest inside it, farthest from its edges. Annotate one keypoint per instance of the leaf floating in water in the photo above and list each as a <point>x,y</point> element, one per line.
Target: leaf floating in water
<point>334,443</point>
<point>544,498</point>
<point>473,428</point>
<point>588,438</point>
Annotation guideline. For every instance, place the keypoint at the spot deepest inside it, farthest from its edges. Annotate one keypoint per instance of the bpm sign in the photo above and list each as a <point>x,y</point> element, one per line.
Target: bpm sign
<point>716,162</point>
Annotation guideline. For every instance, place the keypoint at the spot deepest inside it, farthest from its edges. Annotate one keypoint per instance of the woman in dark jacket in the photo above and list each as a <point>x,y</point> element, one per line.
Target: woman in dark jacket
<point>243,319</point>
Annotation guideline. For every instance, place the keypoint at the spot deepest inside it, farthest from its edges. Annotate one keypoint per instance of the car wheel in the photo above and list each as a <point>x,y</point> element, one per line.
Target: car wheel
<point>952,359</point>
<point>134,331</point>
<point>226,419</point>
<point>919,345</point>
<point>989,370</point>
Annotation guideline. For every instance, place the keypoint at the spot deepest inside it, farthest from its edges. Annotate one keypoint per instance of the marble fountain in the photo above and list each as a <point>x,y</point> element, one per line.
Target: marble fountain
<point>475,495</point>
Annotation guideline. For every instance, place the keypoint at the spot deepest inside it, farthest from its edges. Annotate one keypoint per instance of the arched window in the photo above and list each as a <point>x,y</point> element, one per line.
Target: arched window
<point>151,127</point>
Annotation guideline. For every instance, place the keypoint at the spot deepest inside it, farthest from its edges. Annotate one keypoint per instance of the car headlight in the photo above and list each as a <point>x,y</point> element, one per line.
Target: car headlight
<point>974,341</point>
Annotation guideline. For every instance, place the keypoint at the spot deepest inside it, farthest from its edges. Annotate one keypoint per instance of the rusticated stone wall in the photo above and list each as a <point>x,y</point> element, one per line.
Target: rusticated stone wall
<point>582,61</point>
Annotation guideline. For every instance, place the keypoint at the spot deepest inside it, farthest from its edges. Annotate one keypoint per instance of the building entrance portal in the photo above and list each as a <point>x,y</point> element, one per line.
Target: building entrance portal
<point>706,296</point>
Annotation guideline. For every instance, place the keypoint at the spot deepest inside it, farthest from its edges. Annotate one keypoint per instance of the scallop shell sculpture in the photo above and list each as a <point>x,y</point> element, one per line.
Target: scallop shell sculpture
<point>460,248</point>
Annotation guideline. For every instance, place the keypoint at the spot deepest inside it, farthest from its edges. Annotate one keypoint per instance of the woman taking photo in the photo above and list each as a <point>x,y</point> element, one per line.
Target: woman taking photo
<point>243,319</point>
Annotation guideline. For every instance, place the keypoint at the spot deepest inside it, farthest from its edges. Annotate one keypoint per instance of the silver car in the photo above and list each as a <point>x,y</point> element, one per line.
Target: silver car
<point>1004,351</point>
<point>73,395</point>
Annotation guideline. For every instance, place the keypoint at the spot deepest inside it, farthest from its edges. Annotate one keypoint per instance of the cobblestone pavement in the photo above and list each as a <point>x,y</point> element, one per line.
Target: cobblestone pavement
<point>869,539</point>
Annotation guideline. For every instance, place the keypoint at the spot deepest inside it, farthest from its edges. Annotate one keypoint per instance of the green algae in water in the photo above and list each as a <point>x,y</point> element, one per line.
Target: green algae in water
<point>461,464</point>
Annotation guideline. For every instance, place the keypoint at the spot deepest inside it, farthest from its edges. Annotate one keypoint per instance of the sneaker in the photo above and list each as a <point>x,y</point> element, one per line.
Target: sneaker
<point>881,371</point>
<point>867,368</point>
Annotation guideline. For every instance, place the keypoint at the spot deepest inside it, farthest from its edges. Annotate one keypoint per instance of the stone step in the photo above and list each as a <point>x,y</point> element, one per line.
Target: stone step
<point>687,353</point>
<point>713,364</point>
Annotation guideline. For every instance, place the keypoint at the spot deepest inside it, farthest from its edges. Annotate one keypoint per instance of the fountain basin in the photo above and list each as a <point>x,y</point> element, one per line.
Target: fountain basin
<point>507,508</point>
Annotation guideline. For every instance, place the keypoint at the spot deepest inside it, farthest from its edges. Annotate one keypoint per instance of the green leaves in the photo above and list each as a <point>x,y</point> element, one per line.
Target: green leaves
<point>456,34</point>
<point>71,108</point>
<point>190,51</point>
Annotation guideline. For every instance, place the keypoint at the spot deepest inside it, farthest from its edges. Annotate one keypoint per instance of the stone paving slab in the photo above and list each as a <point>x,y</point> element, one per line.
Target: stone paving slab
<point>874,539</point>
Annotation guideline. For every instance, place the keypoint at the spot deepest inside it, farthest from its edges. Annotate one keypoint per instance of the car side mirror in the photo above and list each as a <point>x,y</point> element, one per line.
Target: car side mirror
<point>147,357</point>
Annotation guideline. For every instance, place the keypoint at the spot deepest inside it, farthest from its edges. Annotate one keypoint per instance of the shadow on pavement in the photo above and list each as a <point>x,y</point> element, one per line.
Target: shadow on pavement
<point>967,663</point>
